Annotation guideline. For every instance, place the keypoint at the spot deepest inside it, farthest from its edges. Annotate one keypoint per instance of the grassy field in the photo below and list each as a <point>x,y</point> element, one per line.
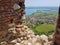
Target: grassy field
<point>44,29</point>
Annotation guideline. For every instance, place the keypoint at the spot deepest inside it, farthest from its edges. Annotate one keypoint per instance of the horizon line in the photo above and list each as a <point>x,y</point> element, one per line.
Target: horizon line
<point>41,6</point>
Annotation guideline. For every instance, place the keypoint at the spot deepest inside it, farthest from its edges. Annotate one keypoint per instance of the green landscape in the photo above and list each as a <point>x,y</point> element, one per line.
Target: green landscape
<point>46,29</point>
<point>42,21</point>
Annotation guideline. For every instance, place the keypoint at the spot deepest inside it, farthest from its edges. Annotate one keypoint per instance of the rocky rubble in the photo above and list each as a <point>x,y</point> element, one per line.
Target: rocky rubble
<point>22,35</point>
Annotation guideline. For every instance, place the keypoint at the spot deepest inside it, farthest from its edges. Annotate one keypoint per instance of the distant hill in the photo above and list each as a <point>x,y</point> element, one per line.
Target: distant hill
<point>45,14</point>
<point>42,21</point>
<point>30,10</point>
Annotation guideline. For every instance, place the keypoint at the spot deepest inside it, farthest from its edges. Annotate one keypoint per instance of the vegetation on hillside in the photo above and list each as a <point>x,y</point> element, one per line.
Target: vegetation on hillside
<point>46,29</point>
<point>42,21</point>
<point>45,14</point>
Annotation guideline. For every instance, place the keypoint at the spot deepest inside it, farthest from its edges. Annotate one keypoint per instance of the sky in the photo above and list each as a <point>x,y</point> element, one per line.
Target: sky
<point>48,3</point>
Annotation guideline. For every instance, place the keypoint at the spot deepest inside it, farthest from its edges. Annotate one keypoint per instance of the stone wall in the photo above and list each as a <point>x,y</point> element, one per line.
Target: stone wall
<point>14,32</point>
<point>57,32</point>
<point>11,12</point>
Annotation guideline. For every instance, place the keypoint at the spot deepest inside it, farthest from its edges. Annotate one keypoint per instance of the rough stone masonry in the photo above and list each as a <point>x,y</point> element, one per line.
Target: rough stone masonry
<point>57,32</point>
<point>13,31</point>
<point>11,12</point>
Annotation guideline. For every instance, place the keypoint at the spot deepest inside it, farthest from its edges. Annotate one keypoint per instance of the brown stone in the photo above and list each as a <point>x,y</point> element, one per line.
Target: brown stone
<point>57,32</point>
<point>8,15</point>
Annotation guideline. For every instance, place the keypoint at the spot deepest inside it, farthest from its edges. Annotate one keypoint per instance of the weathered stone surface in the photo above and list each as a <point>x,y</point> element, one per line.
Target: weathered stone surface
<point>24,36</point>
<point>57,32</point>
<point>11,13</point>
<point>13,31</point>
